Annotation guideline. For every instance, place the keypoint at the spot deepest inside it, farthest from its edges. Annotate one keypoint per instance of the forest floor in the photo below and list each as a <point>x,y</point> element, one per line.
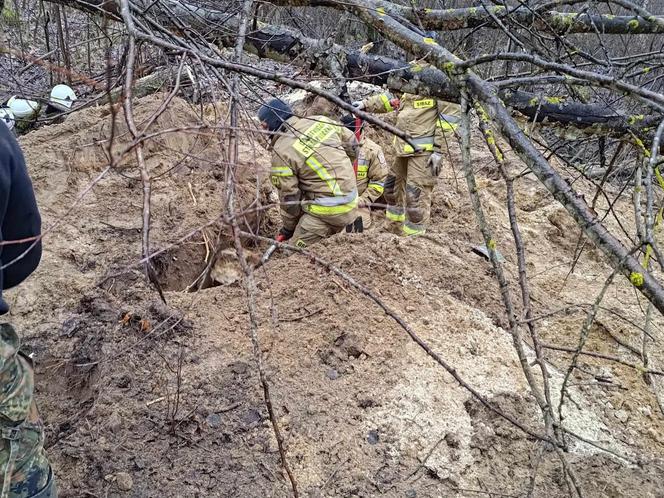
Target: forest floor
<point>147,399</point>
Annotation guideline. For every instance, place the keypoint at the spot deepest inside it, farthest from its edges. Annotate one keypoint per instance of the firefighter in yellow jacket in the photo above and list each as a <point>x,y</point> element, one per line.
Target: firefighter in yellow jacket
<point>313,171</point>
<point>430,123</point>
<point>370,169</point>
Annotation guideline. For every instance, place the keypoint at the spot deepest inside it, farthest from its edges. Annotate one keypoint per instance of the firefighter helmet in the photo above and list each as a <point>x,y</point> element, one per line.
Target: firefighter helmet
<point>23,108</point>
<point>62,97</point>
<point>7,117</point>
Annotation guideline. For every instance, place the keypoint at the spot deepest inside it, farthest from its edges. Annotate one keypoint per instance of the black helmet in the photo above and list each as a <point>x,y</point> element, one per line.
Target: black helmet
<point>350,122</point>
<point>274,113</point>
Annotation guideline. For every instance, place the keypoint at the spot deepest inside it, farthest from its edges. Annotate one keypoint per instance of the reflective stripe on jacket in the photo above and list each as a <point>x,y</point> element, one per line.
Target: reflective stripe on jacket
<point>312,168</point>
<point>430,122</point>
<point>371,171</point>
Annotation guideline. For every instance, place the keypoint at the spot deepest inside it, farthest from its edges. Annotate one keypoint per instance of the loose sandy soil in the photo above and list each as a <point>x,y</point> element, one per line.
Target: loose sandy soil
<point>148,399</point>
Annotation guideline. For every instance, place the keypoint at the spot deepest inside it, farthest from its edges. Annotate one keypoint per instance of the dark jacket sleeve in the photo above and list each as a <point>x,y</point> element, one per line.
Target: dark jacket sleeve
<point>19,217</point>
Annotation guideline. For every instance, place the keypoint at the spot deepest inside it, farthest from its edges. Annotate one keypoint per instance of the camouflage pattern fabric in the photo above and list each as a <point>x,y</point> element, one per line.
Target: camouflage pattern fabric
<point>24,469</point>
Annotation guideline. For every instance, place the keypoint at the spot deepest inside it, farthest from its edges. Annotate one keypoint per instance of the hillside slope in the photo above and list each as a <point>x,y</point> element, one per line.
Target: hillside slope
<point>145,399</point>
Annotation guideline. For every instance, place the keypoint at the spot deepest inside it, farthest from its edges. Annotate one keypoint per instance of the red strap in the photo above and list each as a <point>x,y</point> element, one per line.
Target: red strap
<point>358,135</point>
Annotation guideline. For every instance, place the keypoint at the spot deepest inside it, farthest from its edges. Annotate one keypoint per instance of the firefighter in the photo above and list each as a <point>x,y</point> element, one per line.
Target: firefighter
<point>312,168</point>
<point>431,124</point>
<point>62,98</point>
<point>26,112</point>
<point>60,102</point>
<point>371,171</point>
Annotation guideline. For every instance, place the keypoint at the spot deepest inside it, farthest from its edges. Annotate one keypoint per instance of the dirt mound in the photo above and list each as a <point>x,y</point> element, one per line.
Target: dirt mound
<point>148,399</point>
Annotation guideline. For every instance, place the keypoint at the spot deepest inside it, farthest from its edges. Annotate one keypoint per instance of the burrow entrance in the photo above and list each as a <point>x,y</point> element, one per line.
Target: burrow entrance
<point>188,267</point>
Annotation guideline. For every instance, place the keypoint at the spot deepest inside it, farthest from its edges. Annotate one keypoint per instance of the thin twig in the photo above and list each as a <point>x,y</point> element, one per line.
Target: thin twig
<point>146,181</point>
<point>249,280</point>
<point>550,423</point>
<point>603,356</point>
<point>409,330</point>
<point>583,337</point>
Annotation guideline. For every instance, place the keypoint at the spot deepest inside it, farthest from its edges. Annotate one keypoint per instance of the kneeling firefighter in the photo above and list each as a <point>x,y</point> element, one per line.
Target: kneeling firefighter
<point>431,124</point>
<point>370,169</point>
<point>24,469</point>
<point>313,171</point>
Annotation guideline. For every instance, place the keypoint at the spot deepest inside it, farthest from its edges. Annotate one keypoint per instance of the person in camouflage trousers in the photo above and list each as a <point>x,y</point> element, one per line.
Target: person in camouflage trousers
<point>24,469</point>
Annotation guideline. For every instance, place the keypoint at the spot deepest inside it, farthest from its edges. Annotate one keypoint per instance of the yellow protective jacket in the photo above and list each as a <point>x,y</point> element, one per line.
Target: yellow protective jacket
<point>371,171</point>
<point>430,122</point>
<point>312,168</point>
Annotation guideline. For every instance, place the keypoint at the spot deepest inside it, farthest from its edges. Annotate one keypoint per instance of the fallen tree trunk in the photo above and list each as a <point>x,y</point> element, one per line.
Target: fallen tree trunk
<point>483,17</point>
<point>547,21</point>
<point>288,45</point>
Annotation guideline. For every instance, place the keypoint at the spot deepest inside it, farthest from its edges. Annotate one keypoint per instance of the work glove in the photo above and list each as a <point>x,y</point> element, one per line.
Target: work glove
<point>363,202</point>
<point>283,235</point>
<point>358,104</point>
<point>357,226</point>
<point>435,163</point>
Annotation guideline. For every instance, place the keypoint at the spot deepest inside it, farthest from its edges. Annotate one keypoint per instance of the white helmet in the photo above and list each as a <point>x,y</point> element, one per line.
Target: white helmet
<point>23,108</point>
<point>62,97</point>
<point>7,117</point>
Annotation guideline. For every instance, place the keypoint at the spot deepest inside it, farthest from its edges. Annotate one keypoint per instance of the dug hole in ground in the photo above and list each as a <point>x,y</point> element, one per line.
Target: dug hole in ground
<point>145,399</point>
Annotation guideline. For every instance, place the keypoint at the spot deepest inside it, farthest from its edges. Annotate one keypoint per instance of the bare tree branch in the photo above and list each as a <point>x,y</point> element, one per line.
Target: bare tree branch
<point>285,44</point>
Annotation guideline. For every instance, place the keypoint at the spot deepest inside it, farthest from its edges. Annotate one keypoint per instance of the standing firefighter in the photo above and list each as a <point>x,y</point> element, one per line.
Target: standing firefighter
<point>24,469</point>
<point>371,169</point>
<point>430,123</point>
<point>312,169</point>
